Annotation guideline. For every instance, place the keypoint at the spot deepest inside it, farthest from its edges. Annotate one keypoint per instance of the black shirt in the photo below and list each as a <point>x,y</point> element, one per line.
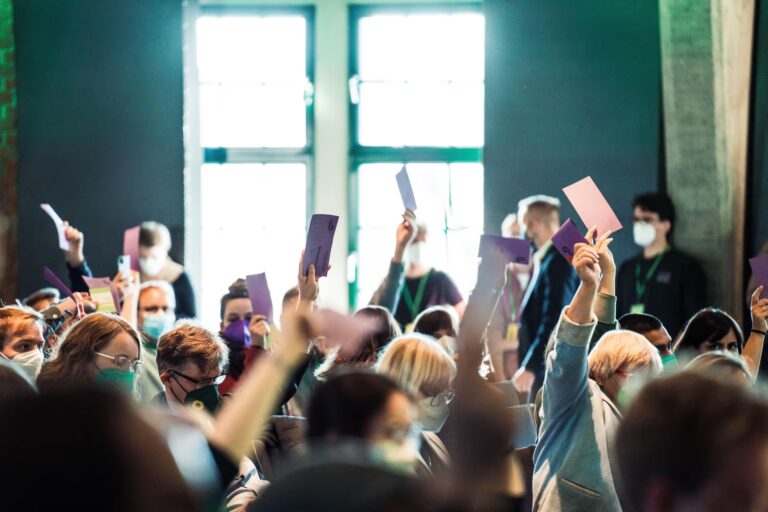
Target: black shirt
<point>439,290</point>
<point>674,293</point>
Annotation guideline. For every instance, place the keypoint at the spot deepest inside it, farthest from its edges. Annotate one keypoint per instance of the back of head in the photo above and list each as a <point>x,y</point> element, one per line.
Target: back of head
<point>437,321</point>
<point>640,323</point>
<point>709,324</point>
<point>40,298</point>
<point>73,361</point>
<point>153,234</point>
<point>346,405</point>
<point>188,343</point>
<point>658,203</point>
<point>96,433</point>
<point>722,366</point>
<point>622,351</point>
<point>163,286</point>
<point>418,364</point>
<point>679,439</point>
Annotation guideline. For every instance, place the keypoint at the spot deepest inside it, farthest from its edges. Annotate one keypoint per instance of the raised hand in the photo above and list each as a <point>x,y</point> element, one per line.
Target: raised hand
<point>759,310</point>
<point>406,232</point>
<point>74,256</point>
<point>259,328</point>
<point>308,285</point>
<point>586,262</point>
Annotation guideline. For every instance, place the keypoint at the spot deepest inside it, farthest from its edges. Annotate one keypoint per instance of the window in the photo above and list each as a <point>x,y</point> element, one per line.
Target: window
<point>255,100</point>
<point>416,88</point>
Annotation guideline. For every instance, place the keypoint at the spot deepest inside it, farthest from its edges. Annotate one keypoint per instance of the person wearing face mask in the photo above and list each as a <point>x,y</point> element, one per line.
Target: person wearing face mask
<point>655,332</point>
<point>155,317</point>
<point>411,286</point>
<point>101,348</point>
<point>21,338</point>
<point>191,361</point>
<point>156,265</point>
<point>585,393</point>
<point>424,369</point>
<point>552,286</point>
<point>660,280</point>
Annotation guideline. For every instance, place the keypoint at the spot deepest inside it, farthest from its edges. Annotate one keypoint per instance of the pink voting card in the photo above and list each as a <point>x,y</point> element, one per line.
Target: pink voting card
<point>131,246</point>
<point>591,206</point>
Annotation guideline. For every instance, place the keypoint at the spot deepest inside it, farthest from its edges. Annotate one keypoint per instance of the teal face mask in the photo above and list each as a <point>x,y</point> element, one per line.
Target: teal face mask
<point>669,362</point>
<point>157,324</point>
<point>118,378</point>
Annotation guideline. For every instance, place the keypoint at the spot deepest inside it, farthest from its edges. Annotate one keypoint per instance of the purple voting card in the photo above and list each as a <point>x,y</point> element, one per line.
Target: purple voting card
<point>591,206</point>
<point>131,246</point>
<point>342,330</point>
<point>258,291</point>
<point>97,283</point>
<point>406,190</point>
<point>60,229</point>
<point>57,283</point>
<point>317,251</point>
<point>515,250</point>
<point>759,266</point>
<point>566,238</point>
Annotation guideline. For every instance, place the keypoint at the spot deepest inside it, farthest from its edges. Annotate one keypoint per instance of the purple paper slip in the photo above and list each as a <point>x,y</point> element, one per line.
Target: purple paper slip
<point>258,291</point>
<point>57,283</point>
<point>515,250</point>
<point>345,331</point>
<point>104,282</point>
<point>566,238</point>
<point>759,266</point>
<point>131,246</point>
<point>591,206</point>
<point>317,250</point>
<point>406,190</point>
<point>60,229</point>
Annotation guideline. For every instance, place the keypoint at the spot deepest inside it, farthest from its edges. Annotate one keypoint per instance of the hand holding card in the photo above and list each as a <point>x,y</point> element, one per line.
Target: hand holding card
<point>566,238</point>
<point>759,266</point>
<point>258,291</point>
<point>406,190</point>
<point>591,206</point>
<point>317,251</point>
<point>60,226</point>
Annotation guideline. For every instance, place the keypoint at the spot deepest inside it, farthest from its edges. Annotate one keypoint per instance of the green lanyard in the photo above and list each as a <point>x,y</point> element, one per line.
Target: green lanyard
<point>414,304</point>
<point>640,286</point>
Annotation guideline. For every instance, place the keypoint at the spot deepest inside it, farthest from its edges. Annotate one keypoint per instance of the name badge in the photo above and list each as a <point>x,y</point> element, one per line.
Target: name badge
<point>512,329</point>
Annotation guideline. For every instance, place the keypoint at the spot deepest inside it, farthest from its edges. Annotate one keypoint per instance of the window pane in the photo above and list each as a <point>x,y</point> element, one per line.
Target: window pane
<point>253,220</point>
<point>450,201</point>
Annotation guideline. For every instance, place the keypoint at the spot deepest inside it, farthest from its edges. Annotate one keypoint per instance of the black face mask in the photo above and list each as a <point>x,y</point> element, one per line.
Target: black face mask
<point>205,398</point>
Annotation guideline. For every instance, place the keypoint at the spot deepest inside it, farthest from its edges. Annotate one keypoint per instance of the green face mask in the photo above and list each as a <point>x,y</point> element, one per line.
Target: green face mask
<point>117,378</point>
<point>205,398</point>
<point>669,362</point>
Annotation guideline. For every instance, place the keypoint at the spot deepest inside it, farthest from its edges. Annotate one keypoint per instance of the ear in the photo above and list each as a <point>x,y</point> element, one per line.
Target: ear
<point>165,378</point>
<point>665,226</point>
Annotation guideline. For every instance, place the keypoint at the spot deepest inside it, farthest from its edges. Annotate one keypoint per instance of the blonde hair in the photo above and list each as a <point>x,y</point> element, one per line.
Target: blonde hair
<point>622,351</point>
<point>14,319</point>
<point>418,364</point>
<point>153,233</point>
<point>188,342</point>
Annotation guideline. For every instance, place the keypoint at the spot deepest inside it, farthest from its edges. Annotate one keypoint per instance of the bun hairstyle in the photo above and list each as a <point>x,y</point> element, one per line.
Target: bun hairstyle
<point>237,290</point>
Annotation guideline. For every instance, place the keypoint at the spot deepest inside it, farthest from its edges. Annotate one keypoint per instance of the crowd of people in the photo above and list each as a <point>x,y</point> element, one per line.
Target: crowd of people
<point>639,395</point>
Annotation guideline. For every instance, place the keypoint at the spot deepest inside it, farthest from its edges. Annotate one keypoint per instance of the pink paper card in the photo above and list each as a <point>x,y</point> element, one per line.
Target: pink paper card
<point>591,206</point>
<point>98,284</point>
<point>60,229</point>
<point>345,331</point>
<point>131,246</point>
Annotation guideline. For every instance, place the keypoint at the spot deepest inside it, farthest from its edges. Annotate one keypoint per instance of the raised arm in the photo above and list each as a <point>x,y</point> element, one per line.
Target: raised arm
<point>75,258</point>
<point>388,294</point>
<point>753,349</point>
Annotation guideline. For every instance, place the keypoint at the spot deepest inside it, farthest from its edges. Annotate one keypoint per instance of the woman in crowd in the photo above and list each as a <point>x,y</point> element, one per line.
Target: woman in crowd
<point>99,348</point>
<point>425,370</point>
<point>21,338</point>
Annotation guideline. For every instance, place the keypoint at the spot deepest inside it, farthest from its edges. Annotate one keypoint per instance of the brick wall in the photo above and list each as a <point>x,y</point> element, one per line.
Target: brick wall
<point>8,157</point>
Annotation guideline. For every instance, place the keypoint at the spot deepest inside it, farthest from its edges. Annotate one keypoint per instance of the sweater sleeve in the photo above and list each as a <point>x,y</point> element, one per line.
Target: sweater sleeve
<point>388,293</point>
<point>567,374</point>
<point>605,311</point>
<point>76,276</point>
<point>185,297</point>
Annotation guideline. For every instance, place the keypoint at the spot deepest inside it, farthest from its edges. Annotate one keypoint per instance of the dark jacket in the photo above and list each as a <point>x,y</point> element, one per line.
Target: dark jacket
<point>553,287</point>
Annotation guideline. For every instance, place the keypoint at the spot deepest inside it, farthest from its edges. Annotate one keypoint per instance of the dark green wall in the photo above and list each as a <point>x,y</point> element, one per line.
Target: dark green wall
<point>100,104</point>
<point>757,222</point>
<point>572,89</point>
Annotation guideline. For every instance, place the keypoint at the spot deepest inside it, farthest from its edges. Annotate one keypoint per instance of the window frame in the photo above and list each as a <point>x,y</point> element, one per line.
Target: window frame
<point>360,154</point>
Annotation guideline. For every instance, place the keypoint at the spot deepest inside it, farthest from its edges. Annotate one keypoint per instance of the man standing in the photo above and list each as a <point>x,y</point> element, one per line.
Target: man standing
<point>552,287</point>
<point>660,280</point>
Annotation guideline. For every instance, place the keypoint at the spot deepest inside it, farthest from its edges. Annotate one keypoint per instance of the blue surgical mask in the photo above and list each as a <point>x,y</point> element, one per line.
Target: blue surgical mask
<point>157,324</point>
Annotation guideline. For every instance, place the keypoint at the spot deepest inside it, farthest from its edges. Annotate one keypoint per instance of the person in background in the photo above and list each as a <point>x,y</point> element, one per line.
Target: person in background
<point>712,329</point>
<point>155,316</point>
<point>661,280</point>
<point>654,331</point>
<point>689,442</point>
<point>552,287</point>
<point>422,287</point>
<point>156,265</point>
<point>42,299</point>
<point>101,348</point>
<point>365,354</point>
<point>244,332</point>
<point>424,369</point>
<point>21,338</point>
<point>583,394</point>
<point>191,361</point>
<point>437,321</point>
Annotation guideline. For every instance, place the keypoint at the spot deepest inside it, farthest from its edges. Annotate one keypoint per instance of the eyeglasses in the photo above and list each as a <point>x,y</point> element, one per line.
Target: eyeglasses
<point>123,362</point>
<point>200,383</point>
<point>444,397</point>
